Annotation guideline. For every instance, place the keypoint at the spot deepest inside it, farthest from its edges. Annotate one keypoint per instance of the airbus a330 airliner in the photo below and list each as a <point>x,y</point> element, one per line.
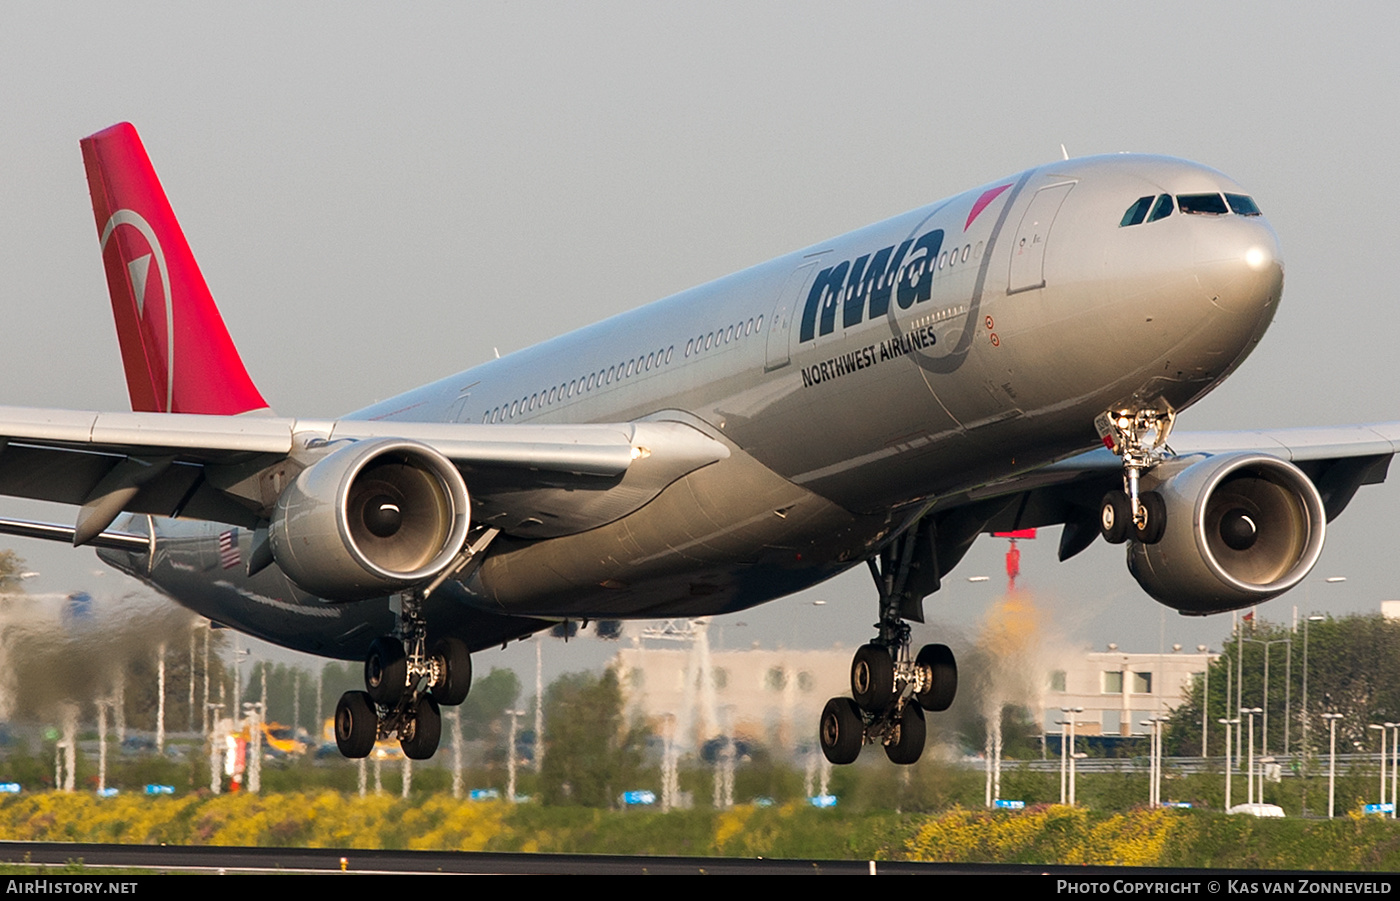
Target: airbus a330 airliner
<point>1010,357</point>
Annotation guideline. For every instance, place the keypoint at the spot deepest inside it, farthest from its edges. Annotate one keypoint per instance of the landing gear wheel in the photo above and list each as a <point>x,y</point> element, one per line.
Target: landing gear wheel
<point>456,671</point>
<point>872,678</point>
<point>842,731</point>
<point>1115,517</point>
<point>1154,518</point>
<point>386,671</point>
<point>940,672</point>
<point>909,737</point>
<point>356,724</point>
<point>427,731</point>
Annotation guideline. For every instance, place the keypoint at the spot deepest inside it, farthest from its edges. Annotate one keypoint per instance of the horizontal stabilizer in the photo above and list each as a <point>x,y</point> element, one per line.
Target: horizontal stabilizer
<point>24,528</point>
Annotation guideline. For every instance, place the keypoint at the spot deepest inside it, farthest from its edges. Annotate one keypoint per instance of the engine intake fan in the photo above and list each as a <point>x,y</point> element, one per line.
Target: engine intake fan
<point>1240,529</point>
<point>372,517</point>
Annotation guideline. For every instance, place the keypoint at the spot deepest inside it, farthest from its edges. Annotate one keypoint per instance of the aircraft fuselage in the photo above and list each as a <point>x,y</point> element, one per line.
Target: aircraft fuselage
<point>855,382</point>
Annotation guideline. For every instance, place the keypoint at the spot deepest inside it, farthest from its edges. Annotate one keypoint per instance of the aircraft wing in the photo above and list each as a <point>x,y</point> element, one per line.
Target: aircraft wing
<point>1338,460</point>
<point>527,480</point>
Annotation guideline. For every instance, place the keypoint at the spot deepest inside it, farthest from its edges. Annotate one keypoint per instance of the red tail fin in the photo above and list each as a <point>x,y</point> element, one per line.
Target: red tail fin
<point>176,350</point>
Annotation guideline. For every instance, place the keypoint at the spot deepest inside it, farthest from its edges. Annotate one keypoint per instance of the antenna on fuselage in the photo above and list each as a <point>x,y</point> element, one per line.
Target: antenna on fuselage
<point>1064,152</point>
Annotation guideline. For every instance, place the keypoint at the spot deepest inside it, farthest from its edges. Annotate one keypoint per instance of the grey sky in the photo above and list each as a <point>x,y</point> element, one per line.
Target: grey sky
<point>381,196</point>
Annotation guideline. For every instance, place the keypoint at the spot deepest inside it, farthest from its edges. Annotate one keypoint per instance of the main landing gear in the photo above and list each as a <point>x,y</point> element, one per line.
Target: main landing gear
<point>1141,516</point>
<point>406,683</point>
<point>890,687</point>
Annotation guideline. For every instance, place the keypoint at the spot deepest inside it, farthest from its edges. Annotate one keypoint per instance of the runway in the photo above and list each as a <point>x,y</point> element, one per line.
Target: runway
<point>194,859</point>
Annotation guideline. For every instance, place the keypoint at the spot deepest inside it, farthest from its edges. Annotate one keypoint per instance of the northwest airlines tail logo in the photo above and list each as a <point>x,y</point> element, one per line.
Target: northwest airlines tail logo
<point>138,255</point>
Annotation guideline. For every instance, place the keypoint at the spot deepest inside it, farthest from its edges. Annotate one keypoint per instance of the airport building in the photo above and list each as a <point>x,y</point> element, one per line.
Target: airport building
<point>773,697</point>
<point>1118,691</point>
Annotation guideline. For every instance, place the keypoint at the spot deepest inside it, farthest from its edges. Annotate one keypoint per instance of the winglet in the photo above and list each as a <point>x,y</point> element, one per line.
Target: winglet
<point>176,350</point>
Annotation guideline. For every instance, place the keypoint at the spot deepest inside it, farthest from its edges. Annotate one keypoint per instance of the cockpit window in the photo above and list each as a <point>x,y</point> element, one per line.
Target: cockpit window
<point>1137,212</point>
<point>1162,206</point>
<point>1202,204</point>
<point>1243,205</point>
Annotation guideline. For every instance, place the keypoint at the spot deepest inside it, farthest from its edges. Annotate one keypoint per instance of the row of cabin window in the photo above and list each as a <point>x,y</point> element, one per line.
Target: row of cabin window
<point>945,259</point>
<point>723,336</point>
<point>580,385</point>
<point>958,256</point>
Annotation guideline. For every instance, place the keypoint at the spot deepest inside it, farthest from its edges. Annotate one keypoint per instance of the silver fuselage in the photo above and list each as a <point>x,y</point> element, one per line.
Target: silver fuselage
<point>856,383</point>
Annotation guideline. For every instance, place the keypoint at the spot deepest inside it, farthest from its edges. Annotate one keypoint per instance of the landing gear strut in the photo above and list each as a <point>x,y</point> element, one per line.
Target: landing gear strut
<point>406,682</point>
<point>1141,516</point>
<point>890,686</point>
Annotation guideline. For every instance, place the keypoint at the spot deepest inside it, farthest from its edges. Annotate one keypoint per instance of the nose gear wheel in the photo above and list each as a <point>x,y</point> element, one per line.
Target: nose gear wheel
<point>1141,516</point>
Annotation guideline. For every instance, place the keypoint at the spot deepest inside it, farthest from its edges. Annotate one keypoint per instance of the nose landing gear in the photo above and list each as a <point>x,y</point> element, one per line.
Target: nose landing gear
<point>1141,516</point>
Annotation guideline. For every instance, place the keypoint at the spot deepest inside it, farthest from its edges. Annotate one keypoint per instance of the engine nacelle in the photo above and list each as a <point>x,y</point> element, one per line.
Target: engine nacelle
<point>370,518</point>
<point>1240,529</point>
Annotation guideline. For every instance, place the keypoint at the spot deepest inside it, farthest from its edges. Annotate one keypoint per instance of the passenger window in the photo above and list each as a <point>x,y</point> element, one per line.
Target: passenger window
<point>1163,209</point>
<point>1243,205</point>
<point>1137,212</point>
<point>1202,204</point>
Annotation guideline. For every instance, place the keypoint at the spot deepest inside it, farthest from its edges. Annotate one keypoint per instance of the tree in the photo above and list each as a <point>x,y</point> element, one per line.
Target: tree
<point>11,565</point>
<point>488,701</point>
<point>1353,669</point>
<point>592,754</point>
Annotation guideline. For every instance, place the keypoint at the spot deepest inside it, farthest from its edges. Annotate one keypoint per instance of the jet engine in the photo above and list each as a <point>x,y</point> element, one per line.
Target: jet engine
<point>370,518</point>
<point>1240,529</point>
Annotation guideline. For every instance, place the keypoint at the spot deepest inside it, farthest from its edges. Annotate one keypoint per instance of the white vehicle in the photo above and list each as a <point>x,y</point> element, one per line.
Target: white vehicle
<point>1257,809</point>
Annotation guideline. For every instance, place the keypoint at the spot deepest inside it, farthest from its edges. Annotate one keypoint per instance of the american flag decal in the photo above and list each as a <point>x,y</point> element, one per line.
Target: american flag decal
<point>228,549</point>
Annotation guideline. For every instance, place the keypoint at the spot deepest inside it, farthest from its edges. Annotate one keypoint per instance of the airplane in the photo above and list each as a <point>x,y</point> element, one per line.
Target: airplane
<point>1014,356</point>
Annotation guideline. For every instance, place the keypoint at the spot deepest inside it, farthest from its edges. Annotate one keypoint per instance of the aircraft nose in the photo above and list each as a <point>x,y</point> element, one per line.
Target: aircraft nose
<point>1239,264</point>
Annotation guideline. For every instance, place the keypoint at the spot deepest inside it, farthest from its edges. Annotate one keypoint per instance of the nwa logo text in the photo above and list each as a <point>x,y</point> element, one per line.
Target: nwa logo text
<point>867,283</point>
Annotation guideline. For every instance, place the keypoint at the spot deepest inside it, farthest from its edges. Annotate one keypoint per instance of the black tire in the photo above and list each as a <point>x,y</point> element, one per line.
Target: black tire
<point>386,671</point>
<point>1154,511</point>
<point>456,671</point>
<point>908,745</point>
<point>1115,517</point>
<point>427,731</point>
<point>842,731</point>
<point>872,678</point>
<point>356,724</point>
<point>941,671</point>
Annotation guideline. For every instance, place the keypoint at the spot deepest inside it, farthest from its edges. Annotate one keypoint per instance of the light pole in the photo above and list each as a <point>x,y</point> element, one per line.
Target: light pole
<point>1154,791</point>
<point>1229,764</point>
<point>1394,766</point>
<point>1064,759</point>
<point>1251,712</point>
<point>1381,727</point>
<point>1307,750</point>
<point>1267,644</point>
<point>510,754</point>
<point>1205,700</point>
<point>1067,753</point>
<point>1332,765</point>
